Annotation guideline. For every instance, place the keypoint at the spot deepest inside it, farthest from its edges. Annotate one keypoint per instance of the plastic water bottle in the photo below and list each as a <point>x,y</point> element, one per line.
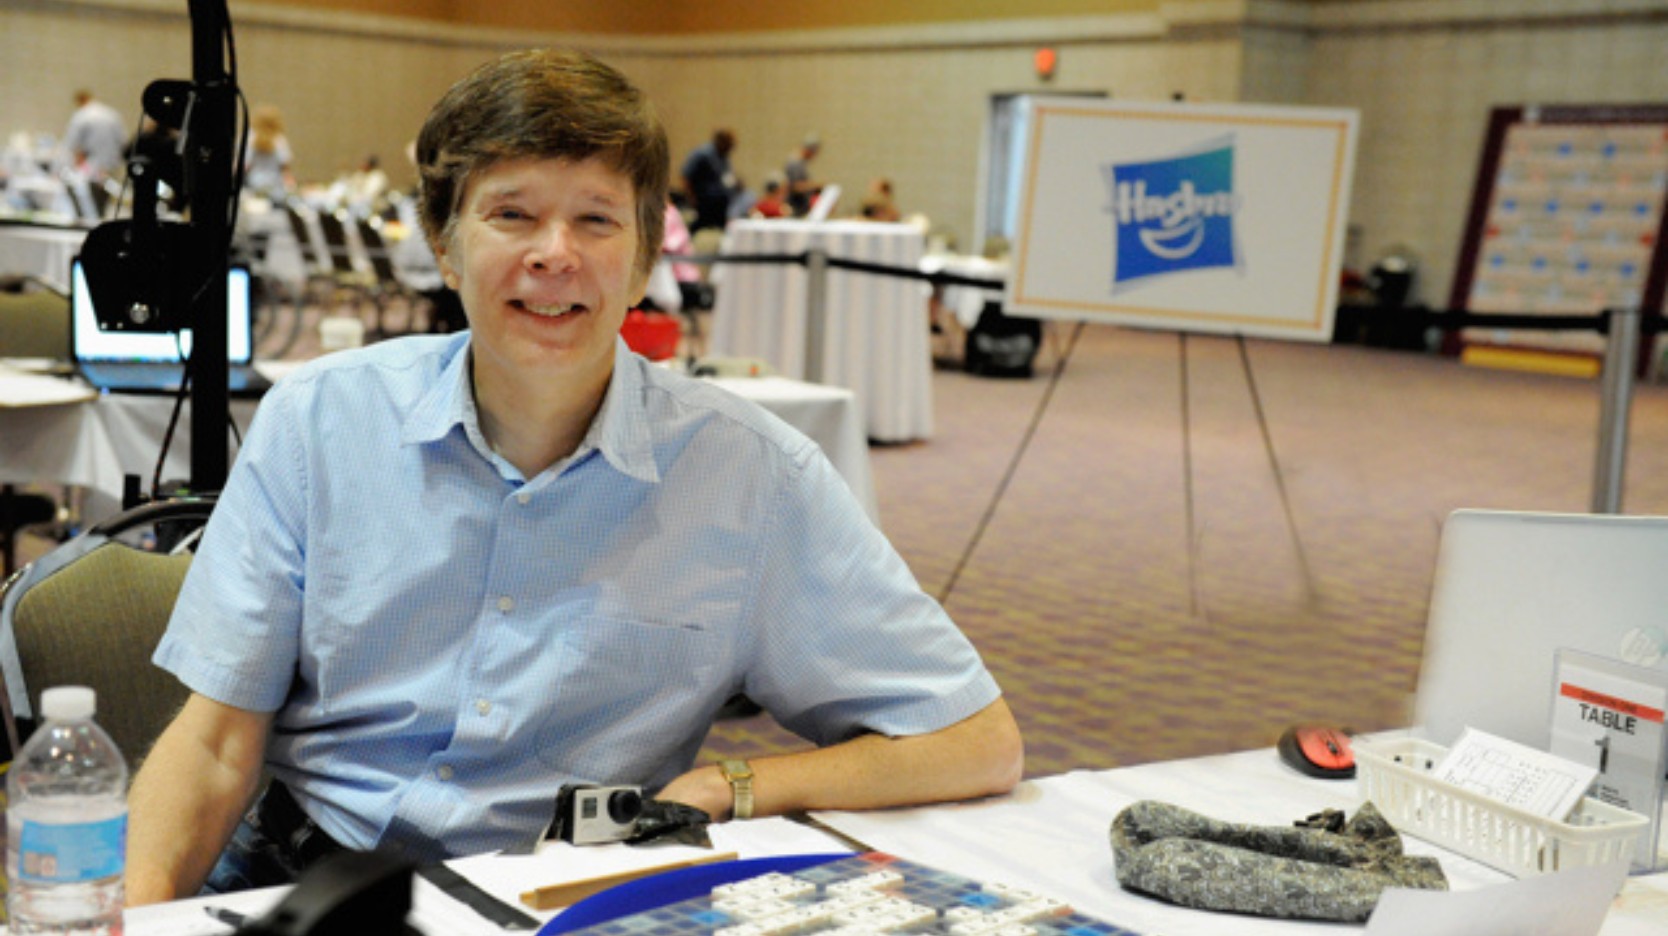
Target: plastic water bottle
<point>66,823</point>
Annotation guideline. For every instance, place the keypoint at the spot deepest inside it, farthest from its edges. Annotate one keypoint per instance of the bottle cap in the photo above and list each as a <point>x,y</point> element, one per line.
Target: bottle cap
<point>68,703</point>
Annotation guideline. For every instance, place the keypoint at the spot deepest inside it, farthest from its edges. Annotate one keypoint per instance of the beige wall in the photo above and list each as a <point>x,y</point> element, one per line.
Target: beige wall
<point>677,17</point>
<point>915,115</point>
<point>904,99</point>
<point>1424,76</point>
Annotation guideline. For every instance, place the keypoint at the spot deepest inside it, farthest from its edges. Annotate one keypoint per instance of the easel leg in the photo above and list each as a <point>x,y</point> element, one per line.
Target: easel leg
<point>1193,605</point>
<point>1274,464</point>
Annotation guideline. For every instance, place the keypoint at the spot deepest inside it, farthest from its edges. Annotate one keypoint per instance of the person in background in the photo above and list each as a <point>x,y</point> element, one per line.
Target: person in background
<point>709,181</point>
<point>366,187</point>
<point>95,138</point>
<point>741,200</point>
<point>450,574</point>
<point>266,166</point>
<point>770,203</point>
<point>802,189</point>
<point>878,204</point>
<point>677,242</point>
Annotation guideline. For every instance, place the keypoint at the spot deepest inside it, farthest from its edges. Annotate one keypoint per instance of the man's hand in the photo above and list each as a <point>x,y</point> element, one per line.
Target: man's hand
<point>703,788</point>
<point>982,755</point>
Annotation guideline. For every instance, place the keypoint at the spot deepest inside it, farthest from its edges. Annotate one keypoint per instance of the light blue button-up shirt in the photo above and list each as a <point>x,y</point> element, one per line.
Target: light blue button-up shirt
<point>445,643</point>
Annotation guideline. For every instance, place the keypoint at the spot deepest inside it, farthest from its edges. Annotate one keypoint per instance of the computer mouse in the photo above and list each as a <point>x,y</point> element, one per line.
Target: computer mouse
<point>1319,751</point>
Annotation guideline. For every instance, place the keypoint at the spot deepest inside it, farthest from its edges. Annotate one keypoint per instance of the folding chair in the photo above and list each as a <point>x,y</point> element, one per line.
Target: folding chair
<point>33,324</point>
<point>90,613</point>
<point>388,283</point>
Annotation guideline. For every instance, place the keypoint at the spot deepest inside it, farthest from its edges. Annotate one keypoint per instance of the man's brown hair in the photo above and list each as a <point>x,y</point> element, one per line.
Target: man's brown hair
<point>542,104</point>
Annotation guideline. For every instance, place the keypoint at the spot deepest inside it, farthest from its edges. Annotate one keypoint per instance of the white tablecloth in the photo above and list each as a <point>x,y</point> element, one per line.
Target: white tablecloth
<point>829,415</point>
<point>45,252</point>
<point>877,341</point>
<point>1049,835</point>
<point>92,444</point>
<point>967,302</point>
<point>1052,835</point>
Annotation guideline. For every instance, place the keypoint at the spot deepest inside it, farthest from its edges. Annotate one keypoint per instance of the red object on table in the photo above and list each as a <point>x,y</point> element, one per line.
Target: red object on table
<point>654,335</point>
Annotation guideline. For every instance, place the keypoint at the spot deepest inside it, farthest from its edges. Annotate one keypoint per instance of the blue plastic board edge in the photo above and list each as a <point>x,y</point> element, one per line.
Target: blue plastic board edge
<point>672,887</point>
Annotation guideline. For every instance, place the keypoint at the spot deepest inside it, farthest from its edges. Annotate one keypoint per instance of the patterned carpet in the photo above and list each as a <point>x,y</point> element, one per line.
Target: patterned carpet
<point>1123,633</point>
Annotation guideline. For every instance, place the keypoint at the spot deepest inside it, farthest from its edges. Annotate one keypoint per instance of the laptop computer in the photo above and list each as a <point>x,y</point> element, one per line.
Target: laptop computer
<point>1511,589</point>
<point>149,362</point>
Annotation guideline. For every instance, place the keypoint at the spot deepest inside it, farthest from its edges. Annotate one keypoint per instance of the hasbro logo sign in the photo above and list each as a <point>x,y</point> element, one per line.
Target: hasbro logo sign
<point>1174,215</point>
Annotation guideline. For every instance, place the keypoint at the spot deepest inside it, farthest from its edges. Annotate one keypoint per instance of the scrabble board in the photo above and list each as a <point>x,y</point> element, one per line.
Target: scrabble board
<point>858,896</point>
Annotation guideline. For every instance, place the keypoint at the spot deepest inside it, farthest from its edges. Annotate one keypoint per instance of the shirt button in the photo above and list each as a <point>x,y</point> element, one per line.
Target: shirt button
<point>483,706</point>
<point>506,603</point>
<point>523,497</point>
<point>445,772</point>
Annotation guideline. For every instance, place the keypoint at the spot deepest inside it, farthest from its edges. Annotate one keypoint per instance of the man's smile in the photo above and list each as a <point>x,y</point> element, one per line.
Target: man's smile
<point>553,310</point>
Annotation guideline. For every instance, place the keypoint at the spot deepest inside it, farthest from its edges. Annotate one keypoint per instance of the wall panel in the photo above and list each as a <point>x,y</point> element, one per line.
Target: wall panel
<point>908,100</point>
<point>1425,78</point>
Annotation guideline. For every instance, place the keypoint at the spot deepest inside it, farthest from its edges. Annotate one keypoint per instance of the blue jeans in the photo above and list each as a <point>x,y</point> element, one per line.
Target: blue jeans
<point>273,844</point>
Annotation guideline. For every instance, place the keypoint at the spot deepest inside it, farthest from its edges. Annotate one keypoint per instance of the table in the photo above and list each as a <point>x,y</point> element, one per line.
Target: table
<point>40,250</point>
<point>829,415</point>
<point>1049,835</point>
<point>92,443</point>
<point>967,302</point>
<point>877,338</point>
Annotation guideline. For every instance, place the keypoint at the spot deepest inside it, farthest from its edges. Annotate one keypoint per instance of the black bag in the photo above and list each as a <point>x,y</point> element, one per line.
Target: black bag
<point>1000,345</point>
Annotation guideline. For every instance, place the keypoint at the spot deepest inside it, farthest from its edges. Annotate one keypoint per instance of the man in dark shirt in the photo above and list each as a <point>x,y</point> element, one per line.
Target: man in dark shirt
<point>708,180</point>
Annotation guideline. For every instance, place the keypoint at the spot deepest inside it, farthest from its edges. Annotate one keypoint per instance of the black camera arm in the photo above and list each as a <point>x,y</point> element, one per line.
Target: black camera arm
<point>148,275</point>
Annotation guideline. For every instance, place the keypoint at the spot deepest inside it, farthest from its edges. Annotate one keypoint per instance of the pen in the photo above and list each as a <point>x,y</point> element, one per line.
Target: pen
<point>228,917</point>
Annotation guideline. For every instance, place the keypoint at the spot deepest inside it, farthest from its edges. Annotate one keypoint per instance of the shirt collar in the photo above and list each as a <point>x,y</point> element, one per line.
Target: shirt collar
<point>620,430</point>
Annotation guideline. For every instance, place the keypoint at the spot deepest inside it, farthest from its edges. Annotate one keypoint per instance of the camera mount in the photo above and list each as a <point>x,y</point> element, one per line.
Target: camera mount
<point>145,274</point>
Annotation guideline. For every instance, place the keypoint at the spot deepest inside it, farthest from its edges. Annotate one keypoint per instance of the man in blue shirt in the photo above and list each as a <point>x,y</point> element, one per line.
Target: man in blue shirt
<point>450,574</point>
<point>95,138</point>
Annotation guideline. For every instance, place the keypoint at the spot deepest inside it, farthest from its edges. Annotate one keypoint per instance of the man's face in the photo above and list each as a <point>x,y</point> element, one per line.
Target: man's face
<point>543,254</point>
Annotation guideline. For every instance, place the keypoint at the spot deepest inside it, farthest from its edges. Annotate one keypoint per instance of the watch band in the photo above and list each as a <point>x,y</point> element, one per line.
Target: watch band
<point>739,775</point>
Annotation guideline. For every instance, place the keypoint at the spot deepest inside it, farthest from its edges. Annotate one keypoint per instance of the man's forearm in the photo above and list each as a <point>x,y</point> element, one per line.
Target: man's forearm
<point>979,756</point>
<point>183,807</point>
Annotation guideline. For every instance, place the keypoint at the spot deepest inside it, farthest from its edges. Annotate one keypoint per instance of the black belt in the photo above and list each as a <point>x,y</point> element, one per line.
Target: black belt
<point>282,820</point>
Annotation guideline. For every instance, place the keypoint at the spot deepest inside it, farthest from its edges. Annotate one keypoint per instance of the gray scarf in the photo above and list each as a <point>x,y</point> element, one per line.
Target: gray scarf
<point>1319,869</point>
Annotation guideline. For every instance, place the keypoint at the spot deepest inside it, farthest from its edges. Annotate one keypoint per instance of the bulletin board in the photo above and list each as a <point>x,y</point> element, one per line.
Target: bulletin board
<point>1569,216</point>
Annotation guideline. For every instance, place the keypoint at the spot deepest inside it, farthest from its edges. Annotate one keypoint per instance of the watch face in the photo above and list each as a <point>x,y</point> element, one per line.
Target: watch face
<point>736,769</point>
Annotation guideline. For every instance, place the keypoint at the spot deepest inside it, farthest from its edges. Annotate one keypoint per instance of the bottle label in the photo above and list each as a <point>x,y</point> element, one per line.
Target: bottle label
<point>72,853</point>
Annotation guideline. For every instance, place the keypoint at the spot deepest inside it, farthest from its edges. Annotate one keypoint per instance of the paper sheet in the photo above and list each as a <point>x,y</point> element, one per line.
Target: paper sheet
<point>507,877</point>
<point>186,917</point>
<point>1519,776</point>
<point>20,388</point>
<point>1569,903</point>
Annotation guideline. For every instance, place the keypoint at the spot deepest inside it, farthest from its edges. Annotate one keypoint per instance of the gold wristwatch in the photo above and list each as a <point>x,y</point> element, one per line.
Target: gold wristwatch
<point>739,775</point>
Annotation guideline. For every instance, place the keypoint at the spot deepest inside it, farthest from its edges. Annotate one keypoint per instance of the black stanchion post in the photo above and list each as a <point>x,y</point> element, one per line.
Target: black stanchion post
<point>1621,351</point>
<point>816,312</point>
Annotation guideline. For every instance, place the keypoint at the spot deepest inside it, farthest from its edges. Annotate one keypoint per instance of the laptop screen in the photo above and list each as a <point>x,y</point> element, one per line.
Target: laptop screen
<point>1511,589</point>
<point>92,344</point>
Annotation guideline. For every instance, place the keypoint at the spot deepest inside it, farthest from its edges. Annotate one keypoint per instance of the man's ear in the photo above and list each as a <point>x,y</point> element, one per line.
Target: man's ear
<point>640,288</point>
<point>448,275</point>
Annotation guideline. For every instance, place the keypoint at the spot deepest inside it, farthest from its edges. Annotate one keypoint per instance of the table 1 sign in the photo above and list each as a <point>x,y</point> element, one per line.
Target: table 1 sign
<point>1610,715</point>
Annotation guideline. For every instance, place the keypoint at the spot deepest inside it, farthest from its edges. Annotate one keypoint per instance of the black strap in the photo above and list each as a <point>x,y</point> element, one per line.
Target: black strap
<point>460,888</point>
<point>282,819</point>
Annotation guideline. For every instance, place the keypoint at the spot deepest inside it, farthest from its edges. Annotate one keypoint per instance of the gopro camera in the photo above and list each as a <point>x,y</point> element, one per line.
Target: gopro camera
<point>587,814</point>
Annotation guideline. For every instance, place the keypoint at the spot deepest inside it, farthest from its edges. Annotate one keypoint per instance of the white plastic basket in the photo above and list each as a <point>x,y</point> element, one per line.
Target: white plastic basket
<point>1395,775</point>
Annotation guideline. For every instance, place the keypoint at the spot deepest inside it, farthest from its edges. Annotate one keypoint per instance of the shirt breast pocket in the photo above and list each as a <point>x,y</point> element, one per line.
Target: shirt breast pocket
<point>631,697</point>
